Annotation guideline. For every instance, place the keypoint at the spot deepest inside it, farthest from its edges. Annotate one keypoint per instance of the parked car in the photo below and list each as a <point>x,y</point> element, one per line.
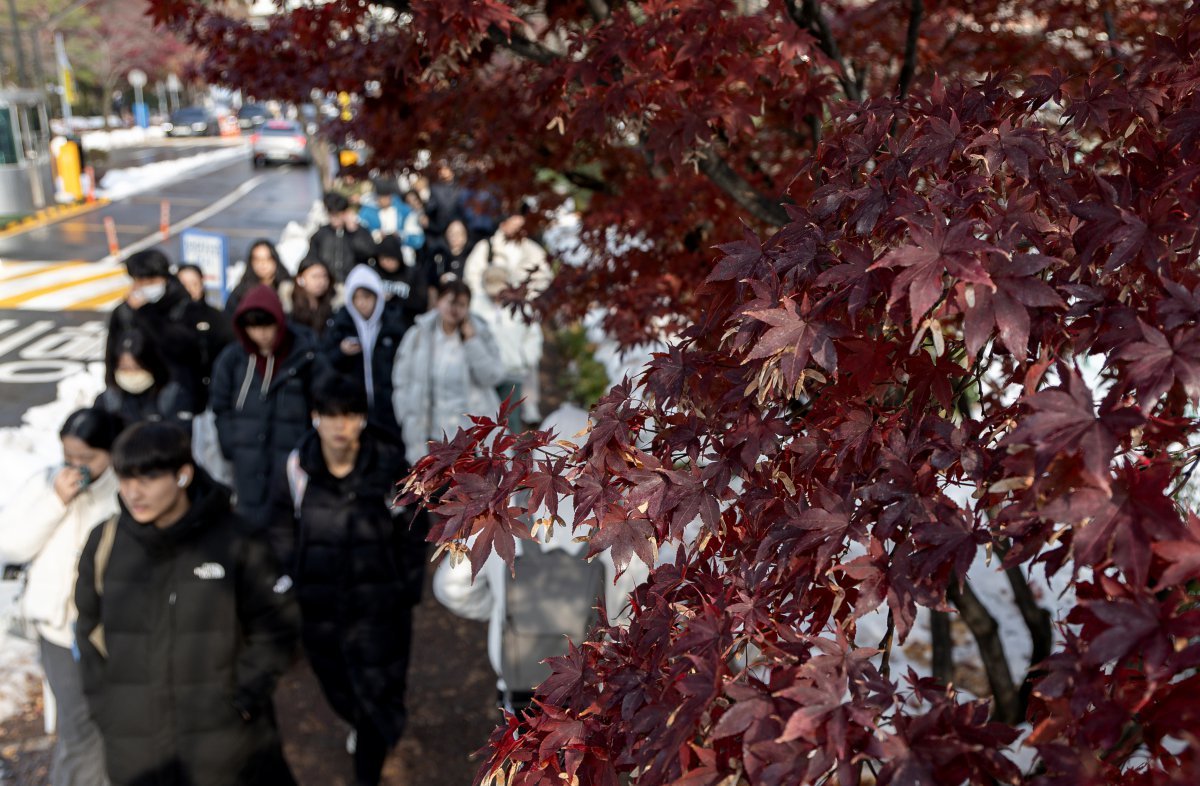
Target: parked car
<point>280,141</point>
<point>253,116</point>
<point>191,121</point>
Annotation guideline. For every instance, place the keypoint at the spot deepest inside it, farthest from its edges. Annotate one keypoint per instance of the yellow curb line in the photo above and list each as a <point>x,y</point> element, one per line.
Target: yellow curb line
<point>48,216</point>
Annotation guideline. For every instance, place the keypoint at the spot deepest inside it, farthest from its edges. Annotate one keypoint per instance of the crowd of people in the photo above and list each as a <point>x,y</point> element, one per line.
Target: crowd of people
<point>229,500</point>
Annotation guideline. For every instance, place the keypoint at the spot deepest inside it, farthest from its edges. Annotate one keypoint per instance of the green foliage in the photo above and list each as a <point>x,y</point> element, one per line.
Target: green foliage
<point>581,379</point>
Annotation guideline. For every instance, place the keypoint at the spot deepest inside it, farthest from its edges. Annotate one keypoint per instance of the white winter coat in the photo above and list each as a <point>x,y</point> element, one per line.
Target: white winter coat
<point>520,342</point>
<point>438,381</point>
<point>36,527</point>
<point>483,599</point>
<point>523,259</point>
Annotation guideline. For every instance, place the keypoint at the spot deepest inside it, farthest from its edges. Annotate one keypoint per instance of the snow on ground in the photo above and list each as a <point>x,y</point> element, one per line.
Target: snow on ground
<point>121,137</point>
<point>122,183</point>
<point>20,673</point>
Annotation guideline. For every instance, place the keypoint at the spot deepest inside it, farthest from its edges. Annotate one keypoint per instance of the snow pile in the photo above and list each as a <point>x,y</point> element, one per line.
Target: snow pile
<point>121,137</point>
<point>20,674</point>
<point>122,183</point>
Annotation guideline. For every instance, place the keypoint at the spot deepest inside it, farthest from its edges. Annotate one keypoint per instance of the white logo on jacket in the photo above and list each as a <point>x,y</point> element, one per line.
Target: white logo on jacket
<point>210,571</point>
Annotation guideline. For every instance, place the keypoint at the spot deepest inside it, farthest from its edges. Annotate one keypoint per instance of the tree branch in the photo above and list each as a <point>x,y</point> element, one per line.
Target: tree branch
<point>1041,630</point>
<point>589,182</point>
<point>1005,704</point>
<point>761,207</point>
<point>1110,27</point>
<point>943,647</point>
<point>520,45</point>
<point>885,644</point>
<point>909,70</point>
<point>809,17</point>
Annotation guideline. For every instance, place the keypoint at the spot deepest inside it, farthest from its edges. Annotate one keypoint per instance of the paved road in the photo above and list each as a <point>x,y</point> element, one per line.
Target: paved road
<point>55,290</point>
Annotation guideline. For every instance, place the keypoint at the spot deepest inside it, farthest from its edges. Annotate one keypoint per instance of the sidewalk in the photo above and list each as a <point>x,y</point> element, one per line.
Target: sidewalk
<point>451,697</point>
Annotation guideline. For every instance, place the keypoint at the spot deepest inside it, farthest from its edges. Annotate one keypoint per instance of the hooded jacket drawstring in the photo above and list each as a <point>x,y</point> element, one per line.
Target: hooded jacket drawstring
<point>241,401</point>
<point>266,383</point>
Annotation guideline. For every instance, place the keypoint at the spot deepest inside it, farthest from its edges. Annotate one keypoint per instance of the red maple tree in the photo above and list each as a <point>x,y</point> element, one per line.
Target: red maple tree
<point>976,327</point>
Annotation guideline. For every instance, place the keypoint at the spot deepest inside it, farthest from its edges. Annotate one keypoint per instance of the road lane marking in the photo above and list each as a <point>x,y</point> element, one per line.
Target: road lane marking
<point>151,240</point>
<point>16,300</point>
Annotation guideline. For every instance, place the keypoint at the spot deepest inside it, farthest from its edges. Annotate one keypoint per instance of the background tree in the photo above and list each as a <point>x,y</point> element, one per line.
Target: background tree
<point>681,118</point>
<point>976,329</point>
<point>104,39</point>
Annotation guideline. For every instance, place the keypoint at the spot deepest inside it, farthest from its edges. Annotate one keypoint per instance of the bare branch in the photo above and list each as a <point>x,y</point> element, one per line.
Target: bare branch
<point>589,182</point>
<point>983,626</point>
<point>761,207</point>
<point>943,647</point>
<point>525,47</point>
<point>1041,629</point>
<point>885,644</point>
<point>909,70</point>
<point>1110,27</point>
<point>810,18</point>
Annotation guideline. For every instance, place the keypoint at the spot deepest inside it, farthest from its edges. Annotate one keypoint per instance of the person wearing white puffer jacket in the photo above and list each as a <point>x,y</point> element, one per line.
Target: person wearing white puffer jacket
<point>520,344</point>
<point>46,524</point>
<point>484,597</point>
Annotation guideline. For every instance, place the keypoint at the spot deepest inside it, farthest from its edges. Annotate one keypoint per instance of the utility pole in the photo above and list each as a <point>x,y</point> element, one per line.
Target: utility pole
<point>22,72</point>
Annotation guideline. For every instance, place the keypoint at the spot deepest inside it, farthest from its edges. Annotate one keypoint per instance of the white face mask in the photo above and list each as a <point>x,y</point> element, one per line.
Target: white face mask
<point>134,382</point>
<point>153,292</point>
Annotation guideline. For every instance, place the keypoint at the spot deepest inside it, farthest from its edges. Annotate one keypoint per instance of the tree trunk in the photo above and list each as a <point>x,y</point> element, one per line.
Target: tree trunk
<point>1041,631</point>
<point>1005,702</point>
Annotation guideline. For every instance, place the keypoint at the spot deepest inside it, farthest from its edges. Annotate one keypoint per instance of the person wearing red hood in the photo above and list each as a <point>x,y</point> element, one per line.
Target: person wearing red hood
<point>261,396</point>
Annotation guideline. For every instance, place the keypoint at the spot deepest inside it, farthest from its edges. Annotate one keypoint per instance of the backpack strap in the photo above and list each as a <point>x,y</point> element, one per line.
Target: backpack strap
<point>108,536</point>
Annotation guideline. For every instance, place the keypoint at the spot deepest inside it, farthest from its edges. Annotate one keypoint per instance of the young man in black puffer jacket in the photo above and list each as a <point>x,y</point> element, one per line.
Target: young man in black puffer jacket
<point>356,565</point>
<point>185,625</point>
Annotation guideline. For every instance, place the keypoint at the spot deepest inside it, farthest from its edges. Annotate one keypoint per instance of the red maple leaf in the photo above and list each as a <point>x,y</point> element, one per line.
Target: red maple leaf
<point>794,336</point>
<point>944,249</point>
<point>1157,363</point>
<point>1006,306</point>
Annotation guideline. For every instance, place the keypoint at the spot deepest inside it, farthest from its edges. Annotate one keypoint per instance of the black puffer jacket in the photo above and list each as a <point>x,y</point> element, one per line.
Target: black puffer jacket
<point>262,405</point>
<point>171,404</point>
<point>190,334</point>
<point>354,564</point>
<point>383,357</point>
<point>341,250</point>
<point>198,630</point>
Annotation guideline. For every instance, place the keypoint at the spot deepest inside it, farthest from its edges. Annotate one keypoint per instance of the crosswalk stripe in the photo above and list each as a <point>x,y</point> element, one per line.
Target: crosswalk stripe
<point>23,297</point>
<point>39,269</point>
<point>110,298</point>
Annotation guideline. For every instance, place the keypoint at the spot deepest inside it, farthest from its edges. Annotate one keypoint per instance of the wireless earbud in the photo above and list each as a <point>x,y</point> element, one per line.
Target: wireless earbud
<point>183,481</point>
<point>316,422</point>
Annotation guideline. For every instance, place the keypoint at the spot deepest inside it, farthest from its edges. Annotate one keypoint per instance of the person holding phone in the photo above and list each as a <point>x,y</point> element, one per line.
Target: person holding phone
<point>361,343</point>
<point>46,524</point>
<point>447,369</point>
